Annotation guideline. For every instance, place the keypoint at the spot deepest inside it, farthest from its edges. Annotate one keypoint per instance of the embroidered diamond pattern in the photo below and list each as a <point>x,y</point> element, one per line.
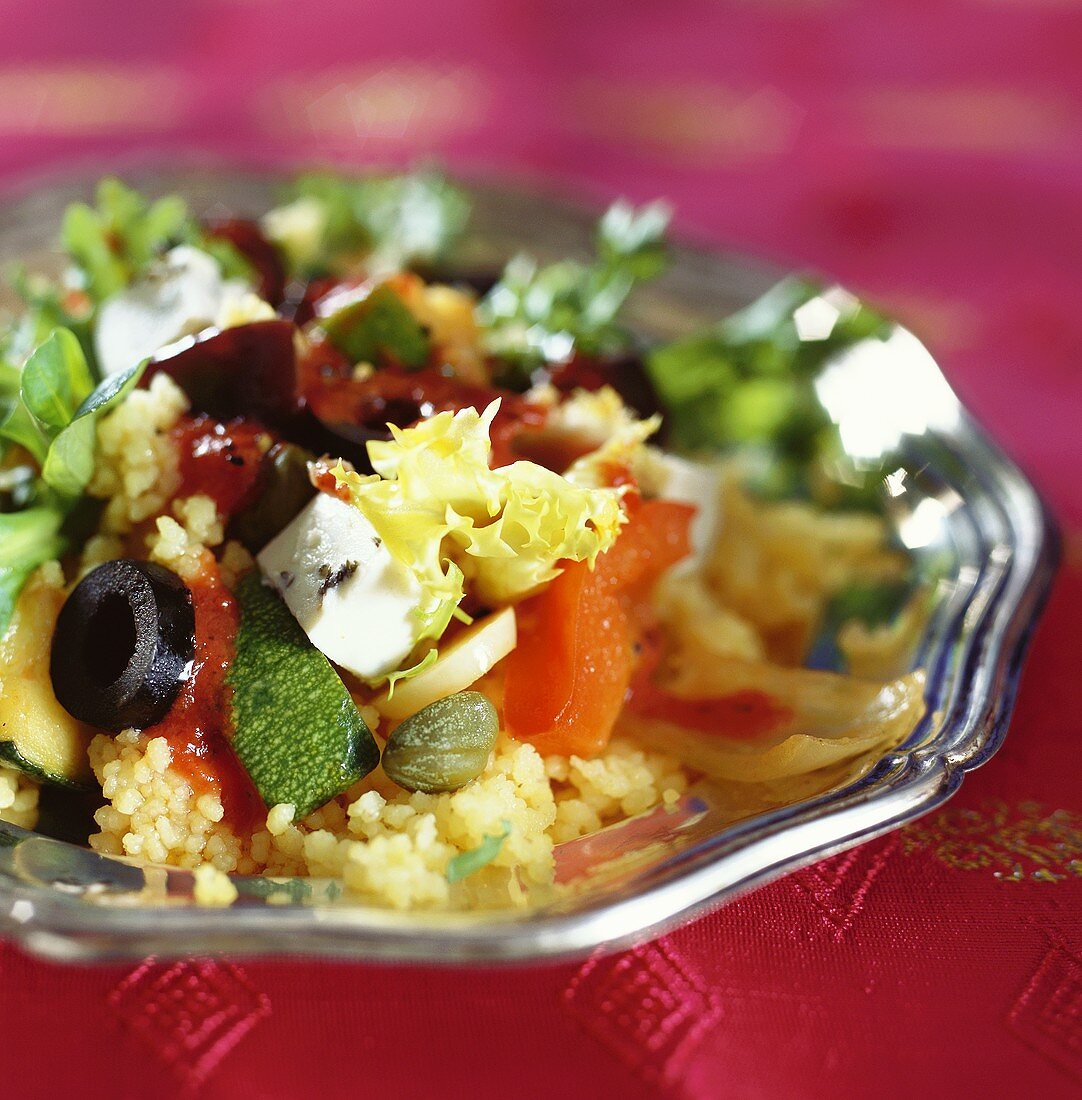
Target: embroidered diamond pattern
<point>1048,1014</point>
<point>649,1006</point>
<point>838,886</point>
<point>190,1014</point>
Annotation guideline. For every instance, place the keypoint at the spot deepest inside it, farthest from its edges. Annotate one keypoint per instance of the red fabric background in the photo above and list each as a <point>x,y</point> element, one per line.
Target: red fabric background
<point>928,154</point>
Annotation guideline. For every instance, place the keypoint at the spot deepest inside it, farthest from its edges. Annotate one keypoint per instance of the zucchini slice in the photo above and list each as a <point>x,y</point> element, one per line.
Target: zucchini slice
<point>37,735</point>
<point>297,731</point>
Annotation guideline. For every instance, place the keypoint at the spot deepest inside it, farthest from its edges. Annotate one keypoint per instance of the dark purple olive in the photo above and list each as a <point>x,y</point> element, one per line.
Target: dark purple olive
<point>337,439</point>
<point>248,239</point>
<point>124,644</point>
<point>249,370</point>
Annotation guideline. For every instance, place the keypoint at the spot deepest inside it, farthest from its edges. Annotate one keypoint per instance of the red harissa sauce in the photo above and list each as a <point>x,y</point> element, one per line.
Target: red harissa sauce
<point>197,727</point>
<point>742,715</point>
<point>223,461</point>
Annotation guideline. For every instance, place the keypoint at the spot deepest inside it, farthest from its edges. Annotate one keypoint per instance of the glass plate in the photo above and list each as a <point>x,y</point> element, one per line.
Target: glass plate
<point>964,511</point>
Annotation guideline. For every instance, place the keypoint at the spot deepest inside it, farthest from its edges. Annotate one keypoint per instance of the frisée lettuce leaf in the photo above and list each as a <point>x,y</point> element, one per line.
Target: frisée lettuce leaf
<point>453,521</point>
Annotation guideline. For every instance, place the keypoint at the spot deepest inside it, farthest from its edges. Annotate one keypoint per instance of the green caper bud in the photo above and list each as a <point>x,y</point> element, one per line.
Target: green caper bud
<point>444,746</point>
<point>284,489</point>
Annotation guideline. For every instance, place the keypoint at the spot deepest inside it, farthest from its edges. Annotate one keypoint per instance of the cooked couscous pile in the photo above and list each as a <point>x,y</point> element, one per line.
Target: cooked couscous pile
<point>710,597</point>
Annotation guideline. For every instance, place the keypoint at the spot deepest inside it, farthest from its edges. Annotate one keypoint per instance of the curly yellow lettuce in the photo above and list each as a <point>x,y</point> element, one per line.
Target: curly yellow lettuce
<point>454,522</point>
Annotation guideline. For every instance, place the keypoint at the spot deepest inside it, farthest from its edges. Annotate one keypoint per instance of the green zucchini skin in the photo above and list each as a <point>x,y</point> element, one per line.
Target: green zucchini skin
<point>13,757</point>
<point>297,731</point>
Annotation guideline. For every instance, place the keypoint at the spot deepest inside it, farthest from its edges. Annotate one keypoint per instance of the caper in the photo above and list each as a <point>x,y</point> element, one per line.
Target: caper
<point>284,489</point>
<point>444,746</point>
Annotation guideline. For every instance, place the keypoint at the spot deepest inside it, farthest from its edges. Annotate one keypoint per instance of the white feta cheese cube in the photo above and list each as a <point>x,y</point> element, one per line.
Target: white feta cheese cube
<point>355,602</point>
<point>178,296</point>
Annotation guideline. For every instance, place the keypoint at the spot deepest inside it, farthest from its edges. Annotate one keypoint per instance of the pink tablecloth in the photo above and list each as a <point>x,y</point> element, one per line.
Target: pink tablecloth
<point>927,154</point>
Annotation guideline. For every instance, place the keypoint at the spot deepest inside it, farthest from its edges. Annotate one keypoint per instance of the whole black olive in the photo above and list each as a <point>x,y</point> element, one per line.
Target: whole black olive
<point>124,644</point>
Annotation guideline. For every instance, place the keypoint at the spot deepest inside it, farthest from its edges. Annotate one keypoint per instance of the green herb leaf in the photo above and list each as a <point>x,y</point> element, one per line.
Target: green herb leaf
<point>55,381</point>
<point>69,462</point>
<point>410,218</point>
<point>234,264</point>
<point>379,328</point>
<point>48,306</point>
<point>18,426</point>
<point>113,241</point>
<point>536,314</point>
<point>751,381</point>
<point>27,539</point>
<point>397,220</point>
<point>634,240</point>
<point>466,863</point>
<point>872,603</point>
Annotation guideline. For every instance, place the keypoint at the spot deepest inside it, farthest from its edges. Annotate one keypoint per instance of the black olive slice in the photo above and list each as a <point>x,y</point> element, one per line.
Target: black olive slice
<point>124,644</point>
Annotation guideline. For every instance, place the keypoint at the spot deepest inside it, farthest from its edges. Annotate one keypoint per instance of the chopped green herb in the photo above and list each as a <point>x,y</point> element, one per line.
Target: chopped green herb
<point>536,314</point>
<point>397,220</point>
<point>111,242</point>
<point>751,381</point>
<point>466,863</point>
<point>379,328</point>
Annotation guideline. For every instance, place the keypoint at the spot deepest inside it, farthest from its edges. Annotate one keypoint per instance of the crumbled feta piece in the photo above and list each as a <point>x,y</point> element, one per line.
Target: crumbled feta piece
<point>355,602</point>
<point>180,295</point>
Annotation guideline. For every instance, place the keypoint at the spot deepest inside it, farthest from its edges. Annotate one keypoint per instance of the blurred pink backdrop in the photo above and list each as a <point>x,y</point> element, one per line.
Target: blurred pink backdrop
<point>928,153</point>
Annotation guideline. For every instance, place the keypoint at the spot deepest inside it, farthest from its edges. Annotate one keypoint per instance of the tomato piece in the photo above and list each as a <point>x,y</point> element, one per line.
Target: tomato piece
<point>223,461</point>
<point>568,675</point>
<point>654,538</point>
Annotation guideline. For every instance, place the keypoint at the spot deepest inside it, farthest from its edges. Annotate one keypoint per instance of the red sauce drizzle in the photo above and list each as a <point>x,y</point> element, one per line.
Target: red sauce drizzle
<point>743,715</point>
<point>224,461</point>
<point>197,726</point>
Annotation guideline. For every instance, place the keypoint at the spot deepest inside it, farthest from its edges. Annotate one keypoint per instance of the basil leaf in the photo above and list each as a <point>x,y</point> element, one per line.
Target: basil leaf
<point>55,381</point>
<point>379,328</point>
<point>466,863</point>
<point>27,539</point>
<point>69,462</point>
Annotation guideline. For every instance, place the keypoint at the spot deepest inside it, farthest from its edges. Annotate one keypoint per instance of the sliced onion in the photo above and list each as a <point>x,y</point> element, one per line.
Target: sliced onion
<point>835,718</point>
<point>472,654</point>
